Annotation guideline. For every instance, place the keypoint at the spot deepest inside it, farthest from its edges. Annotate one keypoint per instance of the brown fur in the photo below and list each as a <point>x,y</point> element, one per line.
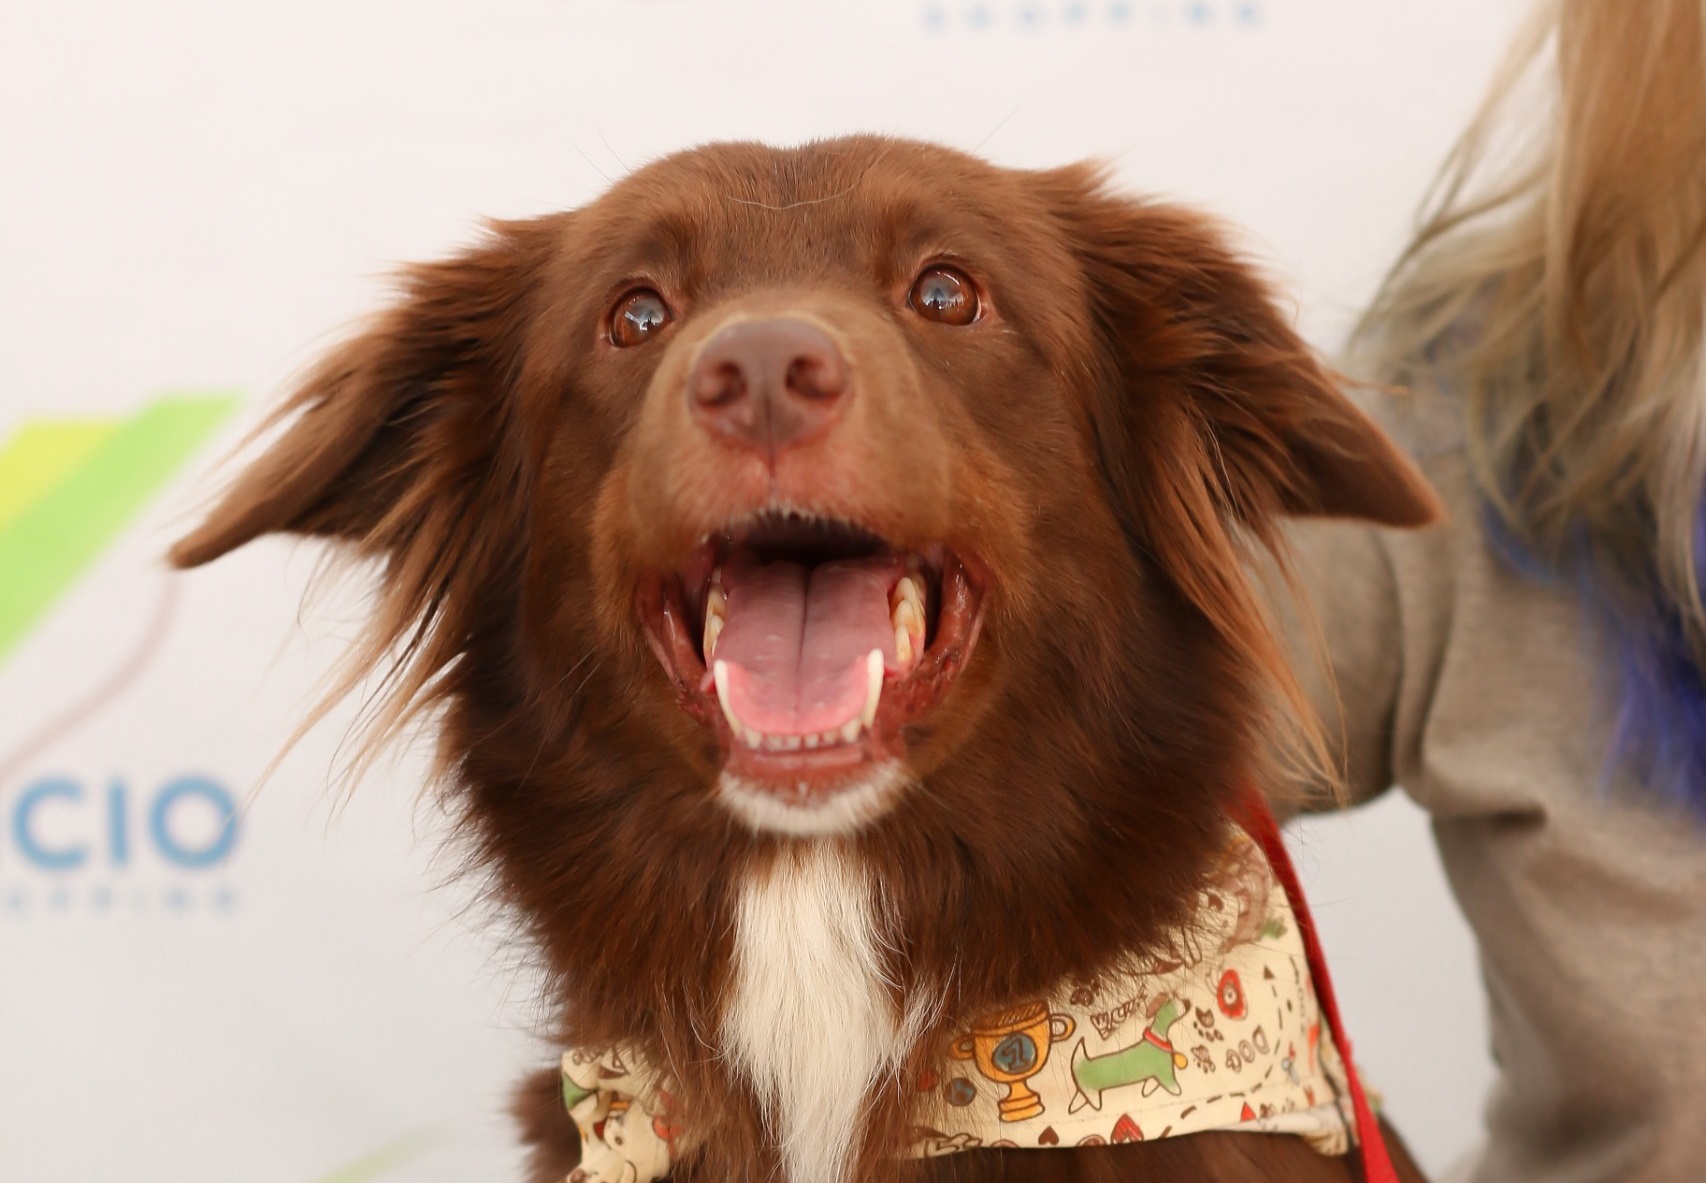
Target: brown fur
<point>1132,408</point>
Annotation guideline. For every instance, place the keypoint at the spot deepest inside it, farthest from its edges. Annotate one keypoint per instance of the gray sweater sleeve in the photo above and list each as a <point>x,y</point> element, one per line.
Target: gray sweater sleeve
<point>1342,626</point>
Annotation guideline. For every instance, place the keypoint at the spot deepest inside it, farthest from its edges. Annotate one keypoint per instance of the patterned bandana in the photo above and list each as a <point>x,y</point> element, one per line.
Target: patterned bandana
<point>1222,1031</point>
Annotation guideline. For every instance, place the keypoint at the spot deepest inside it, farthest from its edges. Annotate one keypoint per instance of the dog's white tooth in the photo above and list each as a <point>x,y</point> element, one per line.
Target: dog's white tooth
<point>720,675</point>
<point>849,731</point>
<point>902,647</point>
<point>775,743</point>
<point>790,743</point>
<point>905,591</point>
<point>873,687</point>
<point>713,630</point>
<point>914,593</point>
<point>751,737</point>
<point>810,741</point>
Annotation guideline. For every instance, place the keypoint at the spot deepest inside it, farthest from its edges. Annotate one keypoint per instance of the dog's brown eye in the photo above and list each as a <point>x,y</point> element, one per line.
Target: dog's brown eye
<point>945,296</point>
<point>637,316</point>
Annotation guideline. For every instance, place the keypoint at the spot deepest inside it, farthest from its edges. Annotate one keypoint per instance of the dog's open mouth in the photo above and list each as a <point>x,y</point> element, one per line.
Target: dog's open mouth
<point>809,645</point>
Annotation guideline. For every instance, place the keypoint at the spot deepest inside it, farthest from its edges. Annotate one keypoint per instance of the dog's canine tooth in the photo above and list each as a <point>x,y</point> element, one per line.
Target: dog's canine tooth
<point>902,646</point>
<point>873,689</point>
<point>720,675</point>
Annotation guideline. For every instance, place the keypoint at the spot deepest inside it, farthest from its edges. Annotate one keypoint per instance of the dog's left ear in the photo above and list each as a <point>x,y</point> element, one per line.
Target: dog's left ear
<point>1209,386</point>
<point>395,441</point>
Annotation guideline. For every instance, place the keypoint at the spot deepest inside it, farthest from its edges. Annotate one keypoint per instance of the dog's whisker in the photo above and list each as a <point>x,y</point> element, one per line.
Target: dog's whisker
<point>591,163</point>
<point>612,151</point>
<point>780,209</point>
<point>1017,107</point>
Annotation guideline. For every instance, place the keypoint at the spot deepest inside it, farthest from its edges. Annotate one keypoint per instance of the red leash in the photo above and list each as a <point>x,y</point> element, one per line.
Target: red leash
<point>1258,822</point>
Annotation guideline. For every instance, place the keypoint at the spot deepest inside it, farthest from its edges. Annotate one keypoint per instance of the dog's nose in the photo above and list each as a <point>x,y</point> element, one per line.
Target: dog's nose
<point>768,385</point>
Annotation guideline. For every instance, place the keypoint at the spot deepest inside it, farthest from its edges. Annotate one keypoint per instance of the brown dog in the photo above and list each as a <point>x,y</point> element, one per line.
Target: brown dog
<point>827,564</point>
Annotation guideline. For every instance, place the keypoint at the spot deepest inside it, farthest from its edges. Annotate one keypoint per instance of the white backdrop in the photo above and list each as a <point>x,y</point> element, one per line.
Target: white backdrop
<point>194,197</point>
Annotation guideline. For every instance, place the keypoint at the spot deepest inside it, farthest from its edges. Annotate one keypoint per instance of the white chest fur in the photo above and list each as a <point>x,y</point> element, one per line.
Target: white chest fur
<point>811,1023</point>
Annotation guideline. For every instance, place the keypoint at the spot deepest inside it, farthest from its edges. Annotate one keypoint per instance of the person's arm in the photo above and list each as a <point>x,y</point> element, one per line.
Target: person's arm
<point>1343,632</point>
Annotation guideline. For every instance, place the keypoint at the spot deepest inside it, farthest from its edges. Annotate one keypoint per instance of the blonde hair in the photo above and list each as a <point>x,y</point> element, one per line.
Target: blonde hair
<point>1557,286</point>
<point>1560,287</point>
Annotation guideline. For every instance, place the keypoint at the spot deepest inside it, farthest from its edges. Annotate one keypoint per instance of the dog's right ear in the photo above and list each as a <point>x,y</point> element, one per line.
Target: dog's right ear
<point>403,428</point>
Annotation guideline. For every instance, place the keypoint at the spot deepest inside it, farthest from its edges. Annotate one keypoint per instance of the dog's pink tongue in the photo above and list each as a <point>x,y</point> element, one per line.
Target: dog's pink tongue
<point>797,641</point>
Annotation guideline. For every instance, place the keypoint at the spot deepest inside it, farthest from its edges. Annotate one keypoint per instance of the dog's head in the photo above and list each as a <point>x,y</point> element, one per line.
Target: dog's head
<point>856,488</point>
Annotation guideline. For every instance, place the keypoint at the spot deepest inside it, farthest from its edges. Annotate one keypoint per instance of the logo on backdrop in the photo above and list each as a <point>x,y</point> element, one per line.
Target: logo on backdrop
<point>1066,16</point>
<point>68,490</point>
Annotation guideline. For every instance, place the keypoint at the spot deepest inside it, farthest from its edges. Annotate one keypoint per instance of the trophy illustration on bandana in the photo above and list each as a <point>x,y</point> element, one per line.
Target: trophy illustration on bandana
<point>1010,1048</point>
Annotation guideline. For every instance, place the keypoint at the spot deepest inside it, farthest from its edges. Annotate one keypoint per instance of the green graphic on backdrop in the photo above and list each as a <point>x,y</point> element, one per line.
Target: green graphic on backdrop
<point>69,487</point>
<point>386,1159</point>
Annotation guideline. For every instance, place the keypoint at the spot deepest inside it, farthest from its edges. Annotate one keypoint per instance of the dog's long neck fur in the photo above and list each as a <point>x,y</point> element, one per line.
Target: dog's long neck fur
<point>814,1020</point>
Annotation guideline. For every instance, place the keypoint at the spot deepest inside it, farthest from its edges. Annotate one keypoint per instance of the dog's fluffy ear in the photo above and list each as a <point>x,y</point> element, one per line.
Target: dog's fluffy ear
<point>1208,379</point>
<point>1212,419</point>
<point>402,428</point>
